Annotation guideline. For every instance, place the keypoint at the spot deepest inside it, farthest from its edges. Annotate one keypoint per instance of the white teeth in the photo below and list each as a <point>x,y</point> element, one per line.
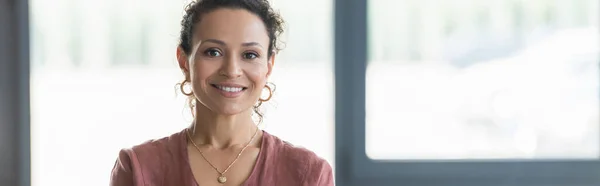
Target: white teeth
<point>230,89</point>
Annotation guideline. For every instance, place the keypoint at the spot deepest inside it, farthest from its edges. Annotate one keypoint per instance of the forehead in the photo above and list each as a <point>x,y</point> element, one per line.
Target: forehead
<point>233,26</point>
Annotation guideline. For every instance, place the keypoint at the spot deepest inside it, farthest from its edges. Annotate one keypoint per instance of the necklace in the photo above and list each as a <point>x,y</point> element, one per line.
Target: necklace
<point>222,178</point>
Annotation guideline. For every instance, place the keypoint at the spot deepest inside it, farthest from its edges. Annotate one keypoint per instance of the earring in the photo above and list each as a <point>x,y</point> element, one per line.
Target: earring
<point>181,87</point>
<point>270,94</point>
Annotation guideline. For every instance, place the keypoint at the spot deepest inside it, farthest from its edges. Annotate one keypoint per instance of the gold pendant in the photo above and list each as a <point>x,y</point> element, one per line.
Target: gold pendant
<point>222,179</point>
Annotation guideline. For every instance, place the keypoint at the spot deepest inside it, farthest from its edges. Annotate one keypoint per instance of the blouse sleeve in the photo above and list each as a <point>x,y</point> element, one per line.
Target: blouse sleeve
<point>320,174</point>
<point>122,174</point>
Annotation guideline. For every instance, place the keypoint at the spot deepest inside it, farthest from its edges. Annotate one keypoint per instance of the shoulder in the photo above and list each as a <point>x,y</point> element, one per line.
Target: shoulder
<point>160,145</point>
<point>308,167</point>
<point>139,164</point>
<point>150,148</point>
<point>151,153</point>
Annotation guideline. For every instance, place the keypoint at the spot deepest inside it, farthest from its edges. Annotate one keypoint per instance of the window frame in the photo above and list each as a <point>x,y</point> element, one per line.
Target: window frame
<point>14,97</point>
<point>353,167</point>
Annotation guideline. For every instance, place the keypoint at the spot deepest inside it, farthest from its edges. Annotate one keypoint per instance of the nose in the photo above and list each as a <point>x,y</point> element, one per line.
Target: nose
<point>230,67</point>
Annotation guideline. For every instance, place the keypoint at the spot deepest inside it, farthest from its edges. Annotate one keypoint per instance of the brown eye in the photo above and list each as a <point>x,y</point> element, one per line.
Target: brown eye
<point>213,52</point>
<point>250,55</point>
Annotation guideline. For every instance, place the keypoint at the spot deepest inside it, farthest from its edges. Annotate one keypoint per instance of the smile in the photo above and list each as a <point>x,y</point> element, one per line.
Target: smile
<point>229,90</point>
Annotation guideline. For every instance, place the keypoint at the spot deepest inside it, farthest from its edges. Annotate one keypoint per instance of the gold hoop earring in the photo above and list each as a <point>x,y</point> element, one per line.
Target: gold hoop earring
<point>181,87</point>
<point>270,94</point>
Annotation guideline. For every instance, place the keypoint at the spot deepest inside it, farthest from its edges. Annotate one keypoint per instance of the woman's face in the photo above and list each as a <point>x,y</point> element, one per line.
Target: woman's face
<point>229,65</point>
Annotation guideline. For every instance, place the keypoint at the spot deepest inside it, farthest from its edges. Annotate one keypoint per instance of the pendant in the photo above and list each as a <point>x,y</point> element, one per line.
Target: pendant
<point>222,179</point>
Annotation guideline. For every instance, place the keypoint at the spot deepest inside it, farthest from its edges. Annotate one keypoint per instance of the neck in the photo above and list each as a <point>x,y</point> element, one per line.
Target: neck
<point>222,131</point>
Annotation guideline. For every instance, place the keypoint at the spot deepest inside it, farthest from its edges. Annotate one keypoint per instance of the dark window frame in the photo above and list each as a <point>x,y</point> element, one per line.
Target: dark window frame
<point>15,145</point>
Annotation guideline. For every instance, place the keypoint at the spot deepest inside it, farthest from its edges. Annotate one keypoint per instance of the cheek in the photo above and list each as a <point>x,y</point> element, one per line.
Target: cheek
<point>258,73</point>
<point>201,70</point>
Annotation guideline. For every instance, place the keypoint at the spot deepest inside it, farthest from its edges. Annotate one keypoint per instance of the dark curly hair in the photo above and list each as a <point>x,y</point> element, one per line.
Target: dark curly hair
<point>194,11</point>
<point>261,8</point>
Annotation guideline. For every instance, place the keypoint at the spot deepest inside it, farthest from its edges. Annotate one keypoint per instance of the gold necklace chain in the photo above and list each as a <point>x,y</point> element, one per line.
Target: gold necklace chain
<point>222,179</point>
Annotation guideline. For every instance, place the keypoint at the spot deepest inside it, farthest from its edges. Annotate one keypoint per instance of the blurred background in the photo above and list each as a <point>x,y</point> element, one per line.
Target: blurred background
<point>483,79</point>
<point>446,79</point>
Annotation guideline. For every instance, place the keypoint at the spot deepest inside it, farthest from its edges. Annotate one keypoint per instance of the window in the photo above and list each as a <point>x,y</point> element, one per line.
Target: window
<point>98,66</point>
<point>474,79</point>
<point>467,92</point>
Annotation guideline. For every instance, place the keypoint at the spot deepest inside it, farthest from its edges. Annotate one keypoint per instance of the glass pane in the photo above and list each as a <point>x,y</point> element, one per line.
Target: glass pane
<point>104,73</point>
<point>492,79</point>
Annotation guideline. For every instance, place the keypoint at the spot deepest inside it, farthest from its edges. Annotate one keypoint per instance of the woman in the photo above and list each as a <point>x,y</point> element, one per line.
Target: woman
<point>226,53</point>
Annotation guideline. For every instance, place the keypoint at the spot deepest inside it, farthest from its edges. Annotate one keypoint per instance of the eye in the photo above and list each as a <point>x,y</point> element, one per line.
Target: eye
<point>212,52</point>
<point>250,55</point>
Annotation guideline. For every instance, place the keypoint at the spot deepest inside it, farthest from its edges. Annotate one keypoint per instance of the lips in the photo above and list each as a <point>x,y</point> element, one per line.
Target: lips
<point>229,90</point>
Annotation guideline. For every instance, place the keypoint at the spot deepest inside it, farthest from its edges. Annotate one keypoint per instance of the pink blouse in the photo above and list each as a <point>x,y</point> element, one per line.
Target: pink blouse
<point>165,162</point>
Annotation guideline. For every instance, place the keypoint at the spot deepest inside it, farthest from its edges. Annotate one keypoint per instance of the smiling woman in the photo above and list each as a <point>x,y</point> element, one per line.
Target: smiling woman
<point>226,54</point>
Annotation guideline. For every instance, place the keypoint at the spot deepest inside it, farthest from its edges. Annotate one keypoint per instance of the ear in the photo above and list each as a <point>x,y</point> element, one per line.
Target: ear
<point>270,64</point>
<point>183,61</point>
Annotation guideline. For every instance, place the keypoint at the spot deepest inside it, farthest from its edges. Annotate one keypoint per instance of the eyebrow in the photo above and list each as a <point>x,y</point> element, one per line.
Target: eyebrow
<point>219,42</point>
<point>251,44</point>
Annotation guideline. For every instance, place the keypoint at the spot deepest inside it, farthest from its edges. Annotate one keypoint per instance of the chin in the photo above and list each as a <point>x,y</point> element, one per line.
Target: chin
<point>230,110</point>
